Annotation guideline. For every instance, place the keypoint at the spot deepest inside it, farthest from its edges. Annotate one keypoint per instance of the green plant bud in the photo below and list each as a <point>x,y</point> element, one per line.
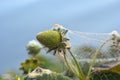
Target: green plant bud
<point>33,47</point>
<point>49,38</point>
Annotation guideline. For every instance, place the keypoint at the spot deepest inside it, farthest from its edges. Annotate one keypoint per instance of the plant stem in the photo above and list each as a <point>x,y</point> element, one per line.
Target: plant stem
<point>78,66</point>
<point>29,70</point>
<point>94,59</point>
<point>70,66</point>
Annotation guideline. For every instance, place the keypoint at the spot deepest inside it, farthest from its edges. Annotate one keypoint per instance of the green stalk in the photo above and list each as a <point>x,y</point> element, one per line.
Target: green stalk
<point>78,66</point>
<point>29,70</point>
<point>94,59</point>
<point>70,66</point>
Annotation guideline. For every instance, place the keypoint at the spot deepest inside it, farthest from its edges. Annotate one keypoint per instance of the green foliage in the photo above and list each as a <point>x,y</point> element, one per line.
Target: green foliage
<point>53,64</point>
<point>29,65</point>
<point>116,69</point>
<point>53,76</point>
<point>109,67</point>
<point>39,60</point>
<point>36,59</point>
<point>1,78</point>
<point>49,38</point>
<point>105,76</point>
<point>19,78</point>
<point>56,41</point>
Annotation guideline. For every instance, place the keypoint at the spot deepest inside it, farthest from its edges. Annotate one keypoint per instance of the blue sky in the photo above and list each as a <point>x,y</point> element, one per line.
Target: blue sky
<point>21,20</point>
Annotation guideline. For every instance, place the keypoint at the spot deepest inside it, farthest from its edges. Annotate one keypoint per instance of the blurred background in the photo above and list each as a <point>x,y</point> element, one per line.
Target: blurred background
<point>21,20</point>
